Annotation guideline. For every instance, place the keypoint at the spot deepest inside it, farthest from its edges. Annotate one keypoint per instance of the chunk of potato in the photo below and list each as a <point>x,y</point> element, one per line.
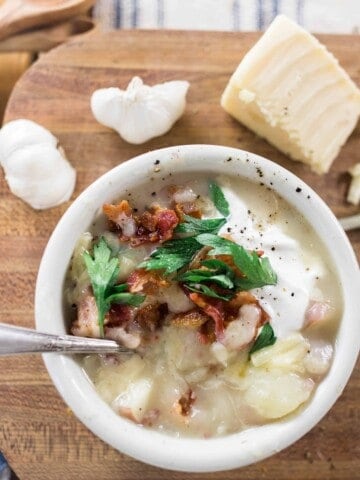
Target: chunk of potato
<point>275,394</point>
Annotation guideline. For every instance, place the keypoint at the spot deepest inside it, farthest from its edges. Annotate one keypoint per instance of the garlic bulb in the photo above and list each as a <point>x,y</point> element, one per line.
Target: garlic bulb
<point>35,169</point>
<point>140,112</point>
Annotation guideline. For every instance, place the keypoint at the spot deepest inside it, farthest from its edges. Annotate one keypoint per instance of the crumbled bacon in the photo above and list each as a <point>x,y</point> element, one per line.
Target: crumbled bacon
<point>184,201</point>
<point>213,308</point>
<point>114,211</point>
<point>149,317</point>
<point>141,281</point>
<point>185,402</point>
<point>206,333</point>
<point>187,208</point>
<point>121,216</point>
<point>167,221</point>
<point>148,221</point>
<point>191,319</point>
<point>156,224</point>
<point>120,315</point>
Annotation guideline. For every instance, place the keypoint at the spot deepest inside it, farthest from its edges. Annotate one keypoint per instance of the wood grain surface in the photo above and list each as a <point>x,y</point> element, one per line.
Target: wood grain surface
<point>38,434</point>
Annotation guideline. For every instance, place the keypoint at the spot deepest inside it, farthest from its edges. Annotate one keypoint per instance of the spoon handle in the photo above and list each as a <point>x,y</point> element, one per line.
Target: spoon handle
<point>14,340</point>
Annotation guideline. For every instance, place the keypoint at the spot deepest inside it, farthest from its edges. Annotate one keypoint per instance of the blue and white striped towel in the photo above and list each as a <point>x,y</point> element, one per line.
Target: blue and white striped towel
<point>332,16</point>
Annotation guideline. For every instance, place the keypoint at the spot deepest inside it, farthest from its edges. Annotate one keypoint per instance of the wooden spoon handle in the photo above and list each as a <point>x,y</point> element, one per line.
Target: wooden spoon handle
<point>19,15</point>
<point>8,16</point>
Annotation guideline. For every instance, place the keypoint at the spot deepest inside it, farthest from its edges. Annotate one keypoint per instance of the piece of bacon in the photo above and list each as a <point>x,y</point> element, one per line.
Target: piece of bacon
<point>184,201</point>
<point>213,308</point>
<point>156,224</point>
<point>191,319</point>
<point>206,333</point>
<point>167,220</point>
<point>188,208</point>
<point>184,404</point>
<point>142,281</point>
<point>120,315</point>
<point>121,215</point>
<point>149,317</point>
<point>113,211</point>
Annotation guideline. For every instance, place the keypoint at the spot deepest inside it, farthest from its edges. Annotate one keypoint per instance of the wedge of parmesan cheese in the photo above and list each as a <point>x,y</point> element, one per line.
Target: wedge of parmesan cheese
<point>290,90</point>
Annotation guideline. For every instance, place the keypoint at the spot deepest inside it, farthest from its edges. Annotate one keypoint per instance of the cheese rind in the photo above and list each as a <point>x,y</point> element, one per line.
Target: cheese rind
<point>290,90</point>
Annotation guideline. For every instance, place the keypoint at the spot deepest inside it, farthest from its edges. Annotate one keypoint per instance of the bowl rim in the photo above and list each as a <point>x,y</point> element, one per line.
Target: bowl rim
<point>159,449</point>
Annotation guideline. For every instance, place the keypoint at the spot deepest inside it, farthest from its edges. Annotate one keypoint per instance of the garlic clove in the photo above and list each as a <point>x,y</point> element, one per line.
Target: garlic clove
<point>105,106</point>
<point>18,133</point>
<point>140,112</point>
<point>40,176</point>
<point>35,169</point>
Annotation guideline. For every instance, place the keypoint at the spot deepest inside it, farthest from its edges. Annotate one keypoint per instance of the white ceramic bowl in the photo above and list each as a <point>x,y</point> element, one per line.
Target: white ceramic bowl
<point>153,447</point>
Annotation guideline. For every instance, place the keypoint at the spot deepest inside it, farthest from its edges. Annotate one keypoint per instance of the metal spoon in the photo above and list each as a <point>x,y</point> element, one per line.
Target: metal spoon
<point>14,340</point>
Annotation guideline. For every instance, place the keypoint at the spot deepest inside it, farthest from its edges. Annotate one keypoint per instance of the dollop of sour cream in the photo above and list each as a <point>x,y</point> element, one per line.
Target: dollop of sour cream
<point>297,270</point>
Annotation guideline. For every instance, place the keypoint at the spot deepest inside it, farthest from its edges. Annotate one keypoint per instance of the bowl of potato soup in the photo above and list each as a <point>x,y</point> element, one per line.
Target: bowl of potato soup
<point>233,287</point>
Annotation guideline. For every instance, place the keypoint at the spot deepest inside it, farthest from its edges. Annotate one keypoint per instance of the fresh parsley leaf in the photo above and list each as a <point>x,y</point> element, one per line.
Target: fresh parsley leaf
<point>200,276</point>
<point>123,287</point>
<point>197,226</point>
<point>216,272</point>
<point>205,290</point>
<point>218,266</point>
<point>103,272</point>
<point>257,270</point>
<point>218,198</point>
<point>172,255</point>
<point>265,339</point>
<point>133,299</point>
<point>220,245</point>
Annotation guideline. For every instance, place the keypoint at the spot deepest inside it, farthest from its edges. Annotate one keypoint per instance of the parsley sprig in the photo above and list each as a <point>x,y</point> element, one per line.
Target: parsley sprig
<point>257,271</point>
<point>265,339</point>
<point>197,226</point>
<point>218,198</point>
<point>103,272</point>
<point>177,253</point>
<point>213,272</point>
<point>172,255</point>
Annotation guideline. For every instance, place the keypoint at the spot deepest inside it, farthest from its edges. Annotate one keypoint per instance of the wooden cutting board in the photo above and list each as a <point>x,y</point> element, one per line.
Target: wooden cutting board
<point>38,434</point>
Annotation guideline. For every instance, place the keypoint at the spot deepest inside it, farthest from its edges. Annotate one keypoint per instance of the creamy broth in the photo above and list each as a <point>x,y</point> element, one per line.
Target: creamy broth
<point>176,383</point>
